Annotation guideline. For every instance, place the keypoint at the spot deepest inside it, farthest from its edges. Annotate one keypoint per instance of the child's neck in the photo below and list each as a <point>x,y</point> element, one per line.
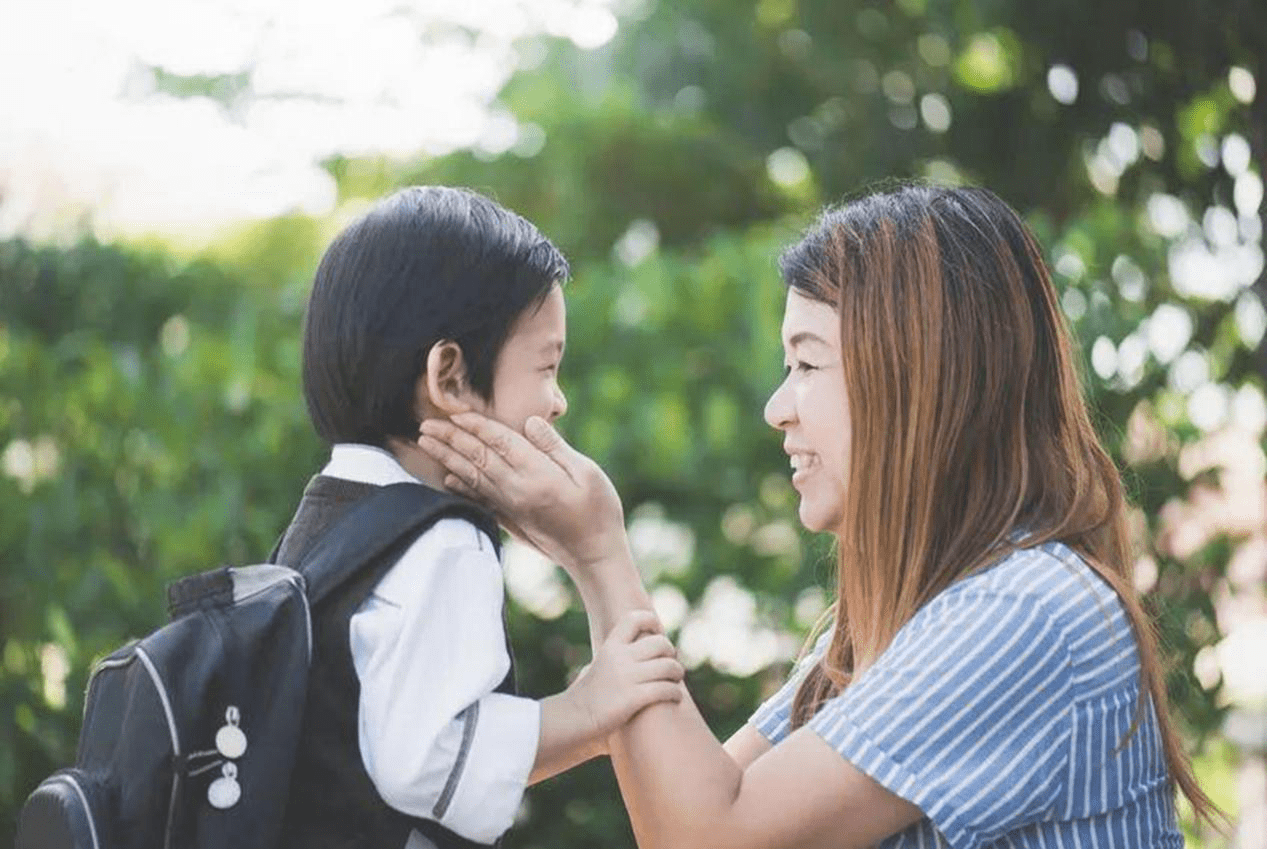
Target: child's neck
<point>417,462</point>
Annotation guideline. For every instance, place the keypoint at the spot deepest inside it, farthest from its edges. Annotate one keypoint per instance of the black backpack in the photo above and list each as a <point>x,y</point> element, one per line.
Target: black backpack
<point>189,734</point>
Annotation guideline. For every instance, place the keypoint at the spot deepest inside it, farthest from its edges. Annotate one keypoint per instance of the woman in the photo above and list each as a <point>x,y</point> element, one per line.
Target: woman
<point>988,678</point>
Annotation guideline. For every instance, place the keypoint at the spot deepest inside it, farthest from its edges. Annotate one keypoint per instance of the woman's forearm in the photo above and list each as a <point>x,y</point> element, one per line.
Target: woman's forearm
<point>677,781</point>
<point>609,589</point>
<point>675,777</point>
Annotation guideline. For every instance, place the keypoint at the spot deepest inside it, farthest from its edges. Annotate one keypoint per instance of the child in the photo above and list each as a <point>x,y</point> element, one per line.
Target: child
<point>435,302</point>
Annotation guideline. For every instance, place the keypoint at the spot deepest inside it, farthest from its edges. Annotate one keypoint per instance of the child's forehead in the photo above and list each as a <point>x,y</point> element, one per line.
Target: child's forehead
<point>544,324</point>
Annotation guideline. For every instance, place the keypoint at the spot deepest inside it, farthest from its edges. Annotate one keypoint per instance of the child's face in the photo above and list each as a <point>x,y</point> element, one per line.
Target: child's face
<point>526,374</point>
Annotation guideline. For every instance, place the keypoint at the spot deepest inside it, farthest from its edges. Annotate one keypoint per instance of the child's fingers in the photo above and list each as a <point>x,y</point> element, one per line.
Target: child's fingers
<point>634,623</point>
<point>653,692</point>
<point>661,669</point>
<point>650,646</point>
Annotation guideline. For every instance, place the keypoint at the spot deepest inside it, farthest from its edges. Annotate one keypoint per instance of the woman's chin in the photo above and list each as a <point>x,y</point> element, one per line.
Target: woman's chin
<point>816,519</point>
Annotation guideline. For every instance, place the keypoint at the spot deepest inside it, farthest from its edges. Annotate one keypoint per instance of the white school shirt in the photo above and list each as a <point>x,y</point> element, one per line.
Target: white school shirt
<point>429,648</point>
<point>1000,711</point>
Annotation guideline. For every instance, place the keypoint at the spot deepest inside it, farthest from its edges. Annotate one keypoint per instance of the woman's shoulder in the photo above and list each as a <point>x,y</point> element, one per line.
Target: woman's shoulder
<point>1051,574</point>
<point>1055,583</point>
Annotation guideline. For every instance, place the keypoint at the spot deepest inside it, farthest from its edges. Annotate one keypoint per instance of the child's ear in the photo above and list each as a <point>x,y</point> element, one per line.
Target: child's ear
<point>443,387</point>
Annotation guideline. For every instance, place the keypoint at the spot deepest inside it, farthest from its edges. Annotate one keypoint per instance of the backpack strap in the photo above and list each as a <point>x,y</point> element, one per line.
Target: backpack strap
<point>377,524</point>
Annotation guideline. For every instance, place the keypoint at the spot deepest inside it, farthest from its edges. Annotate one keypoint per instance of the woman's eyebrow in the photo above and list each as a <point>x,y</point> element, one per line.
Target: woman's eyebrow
<point>806,336</point>
<point>552,346</point>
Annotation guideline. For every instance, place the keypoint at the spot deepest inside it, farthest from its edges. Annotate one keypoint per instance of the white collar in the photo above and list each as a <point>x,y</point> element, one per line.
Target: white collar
<point>352,461</point>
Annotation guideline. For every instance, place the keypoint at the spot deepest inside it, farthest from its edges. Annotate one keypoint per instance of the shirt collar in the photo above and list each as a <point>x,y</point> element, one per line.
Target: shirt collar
<point>365,464</point>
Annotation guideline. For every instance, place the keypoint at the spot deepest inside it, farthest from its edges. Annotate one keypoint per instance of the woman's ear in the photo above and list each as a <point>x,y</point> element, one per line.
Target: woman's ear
<point>444,387</point>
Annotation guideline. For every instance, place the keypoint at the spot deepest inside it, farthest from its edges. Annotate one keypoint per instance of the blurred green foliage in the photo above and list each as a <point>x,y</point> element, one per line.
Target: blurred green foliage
<point>151,422</point>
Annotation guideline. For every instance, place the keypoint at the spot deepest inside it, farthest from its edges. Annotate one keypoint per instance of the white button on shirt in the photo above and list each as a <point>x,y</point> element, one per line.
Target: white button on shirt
<point>429,648</point>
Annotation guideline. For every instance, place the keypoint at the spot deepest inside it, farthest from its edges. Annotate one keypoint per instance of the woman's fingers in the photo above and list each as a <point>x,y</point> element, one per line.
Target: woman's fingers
<point>479,464</point>
<point>542,435</point>
<point>493,459</point>
<point>469,479</point>
<point>560,501</point>
<point>453,483</point>
<point>504,442</point>
<point>473,449</point>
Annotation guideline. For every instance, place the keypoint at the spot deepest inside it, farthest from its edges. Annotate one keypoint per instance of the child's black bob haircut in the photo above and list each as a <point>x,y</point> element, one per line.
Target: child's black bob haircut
<point>426,264</point>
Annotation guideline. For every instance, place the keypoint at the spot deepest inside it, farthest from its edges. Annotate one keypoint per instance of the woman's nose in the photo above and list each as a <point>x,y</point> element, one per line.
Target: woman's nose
<point>778,409</point>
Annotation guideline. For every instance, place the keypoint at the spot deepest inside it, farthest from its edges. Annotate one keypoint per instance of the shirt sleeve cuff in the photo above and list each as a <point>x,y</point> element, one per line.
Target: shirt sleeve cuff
<point>773,719</point>
<point>487,787</point>
<point>940,806</point>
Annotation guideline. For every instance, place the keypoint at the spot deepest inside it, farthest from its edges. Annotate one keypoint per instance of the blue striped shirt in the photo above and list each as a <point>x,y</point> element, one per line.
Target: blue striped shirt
<point>999,710</point>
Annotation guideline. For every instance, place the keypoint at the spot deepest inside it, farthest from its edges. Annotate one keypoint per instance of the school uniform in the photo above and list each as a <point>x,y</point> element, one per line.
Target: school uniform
<point>1000,710</point>
<point>416,737</point>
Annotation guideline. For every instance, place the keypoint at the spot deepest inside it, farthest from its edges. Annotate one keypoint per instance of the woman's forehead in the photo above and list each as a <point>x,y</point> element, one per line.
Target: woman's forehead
<point>806,321</point>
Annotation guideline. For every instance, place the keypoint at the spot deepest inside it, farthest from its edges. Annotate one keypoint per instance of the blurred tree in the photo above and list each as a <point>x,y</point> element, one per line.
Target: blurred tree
<point>150,416</point>
<point>1132,134</point>
<point>150,428</point>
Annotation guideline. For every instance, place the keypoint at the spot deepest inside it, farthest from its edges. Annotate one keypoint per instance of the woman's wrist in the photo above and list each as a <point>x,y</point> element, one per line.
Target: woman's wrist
<point>610,587</point>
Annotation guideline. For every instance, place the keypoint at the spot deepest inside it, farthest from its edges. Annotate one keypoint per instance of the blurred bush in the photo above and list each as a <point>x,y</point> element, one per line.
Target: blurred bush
<point>151,422</point>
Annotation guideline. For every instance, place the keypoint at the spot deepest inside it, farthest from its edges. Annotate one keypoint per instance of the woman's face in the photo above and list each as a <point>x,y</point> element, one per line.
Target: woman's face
<point>811,409</point>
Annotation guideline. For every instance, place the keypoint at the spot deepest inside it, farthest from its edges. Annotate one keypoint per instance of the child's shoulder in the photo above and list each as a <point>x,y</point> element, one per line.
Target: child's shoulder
<point>452,543</point>
<point>452,533</point>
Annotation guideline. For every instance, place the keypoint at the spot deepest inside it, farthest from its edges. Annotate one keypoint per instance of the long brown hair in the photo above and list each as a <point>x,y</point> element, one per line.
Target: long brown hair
<point>967,420</point>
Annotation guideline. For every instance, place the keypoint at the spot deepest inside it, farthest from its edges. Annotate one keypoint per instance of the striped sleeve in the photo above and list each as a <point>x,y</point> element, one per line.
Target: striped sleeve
<point>773,718</point>
<point>966,715</point>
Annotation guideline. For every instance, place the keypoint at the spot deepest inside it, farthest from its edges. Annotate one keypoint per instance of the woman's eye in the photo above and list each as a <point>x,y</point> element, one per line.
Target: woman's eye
<point>800,366</point>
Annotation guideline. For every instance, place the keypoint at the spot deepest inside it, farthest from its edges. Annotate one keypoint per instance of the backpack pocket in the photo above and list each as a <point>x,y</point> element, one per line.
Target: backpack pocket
<point>65,812</point>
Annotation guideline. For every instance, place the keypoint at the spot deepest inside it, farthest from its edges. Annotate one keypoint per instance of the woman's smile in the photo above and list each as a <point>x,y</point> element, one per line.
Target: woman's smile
<point>811,410</point>
<point>803,464</point>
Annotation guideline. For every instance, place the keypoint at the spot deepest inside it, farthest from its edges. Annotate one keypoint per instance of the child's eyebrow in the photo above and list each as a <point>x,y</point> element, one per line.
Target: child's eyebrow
<point>553,346</point>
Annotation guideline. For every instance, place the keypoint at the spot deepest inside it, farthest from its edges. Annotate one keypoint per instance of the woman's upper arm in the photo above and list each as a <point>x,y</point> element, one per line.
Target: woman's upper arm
<point>746,745</point>
<point>802,793</point>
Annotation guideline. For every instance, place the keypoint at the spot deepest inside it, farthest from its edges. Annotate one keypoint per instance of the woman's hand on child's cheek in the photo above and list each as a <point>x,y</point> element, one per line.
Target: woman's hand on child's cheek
<point>549,494</point>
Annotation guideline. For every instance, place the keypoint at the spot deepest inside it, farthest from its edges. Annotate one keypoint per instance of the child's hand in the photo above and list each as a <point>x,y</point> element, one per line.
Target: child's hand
<point>636,666</point>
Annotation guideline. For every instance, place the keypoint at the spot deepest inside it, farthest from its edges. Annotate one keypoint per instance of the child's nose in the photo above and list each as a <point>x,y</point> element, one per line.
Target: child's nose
<point>560,404</point>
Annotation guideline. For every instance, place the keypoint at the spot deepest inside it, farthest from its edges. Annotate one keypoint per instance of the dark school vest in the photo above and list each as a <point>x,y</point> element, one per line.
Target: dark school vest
<point>333,802</point>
